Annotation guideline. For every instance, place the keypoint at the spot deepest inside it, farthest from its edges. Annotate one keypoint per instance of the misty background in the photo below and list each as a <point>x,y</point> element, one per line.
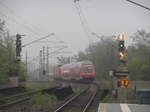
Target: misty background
<point>39,18</point>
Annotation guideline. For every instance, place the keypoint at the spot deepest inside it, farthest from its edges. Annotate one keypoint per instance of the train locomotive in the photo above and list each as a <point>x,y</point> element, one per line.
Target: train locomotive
<point>79,71</point>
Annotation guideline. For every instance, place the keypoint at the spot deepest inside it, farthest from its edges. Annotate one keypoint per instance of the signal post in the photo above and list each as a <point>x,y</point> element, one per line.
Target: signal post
<point>121,73</point>
<point>15,72</point>
<point>18,47</point>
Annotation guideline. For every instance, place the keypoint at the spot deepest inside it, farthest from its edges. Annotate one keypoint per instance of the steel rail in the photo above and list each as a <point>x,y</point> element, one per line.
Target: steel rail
<point>15,102</point>
<point>90,101</point>
<point>70,100</point>
<point>20,94</point>
<point>76,96</point>
<point>26,93</point>
<point>24,97</point>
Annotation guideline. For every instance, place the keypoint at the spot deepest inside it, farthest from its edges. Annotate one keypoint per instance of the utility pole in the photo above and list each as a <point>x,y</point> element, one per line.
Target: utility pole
<point>26,64</point>
<point>43,72</point>
<point>40,65</point>
<point>14,78</point>
<point>47,67</point>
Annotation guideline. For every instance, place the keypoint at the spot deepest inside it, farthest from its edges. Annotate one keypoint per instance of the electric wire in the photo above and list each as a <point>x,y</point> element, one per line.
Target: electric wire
<point>138,4</point>
<point>83,20</point>
<point>14,19</point>
<point>30,26</point>
<point>38,40</point>
<point>22,25</point>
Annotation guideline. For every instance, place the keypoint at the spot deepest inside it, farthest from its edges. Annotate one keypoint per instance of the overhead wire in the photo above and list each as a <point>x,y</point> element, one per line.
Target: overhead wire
<point>14,19</point>
<point>83,20</point>
<point>16,22</point>
<point>19,21</point>
<point>140,5</point>
<point>62,41</point>
<point>50,54</point>
<point>38,40</point>
<point>24,21</point>
<point>26,24</point>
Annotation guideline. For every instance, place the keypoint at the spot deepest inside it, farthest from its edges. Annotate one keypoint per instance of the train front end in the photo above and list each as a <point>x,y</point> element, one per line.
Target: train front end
<point>87,72</point>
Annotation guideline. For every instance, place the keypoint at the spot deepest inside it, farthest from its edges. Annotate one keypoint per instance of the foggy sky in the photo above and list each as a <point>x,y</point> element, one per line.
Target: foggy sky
<point>38,18</point>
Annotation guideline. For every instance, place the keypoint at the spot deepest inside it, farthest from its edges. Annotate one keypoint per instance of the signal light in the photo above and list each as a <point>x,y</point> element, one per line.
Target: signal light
<point>121,37</point>
<point>18,47</point>
<point>121,43</point>
<point>121,54</point>
<point>121,46</point>
<point>123,82</point>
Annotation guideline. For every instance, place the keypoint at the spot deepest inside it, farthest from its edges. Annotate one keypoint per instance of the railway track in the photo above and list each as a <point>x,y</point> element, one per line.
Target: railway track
<point>22,97</point>
<point>79,102</point>
<point>16,99</point>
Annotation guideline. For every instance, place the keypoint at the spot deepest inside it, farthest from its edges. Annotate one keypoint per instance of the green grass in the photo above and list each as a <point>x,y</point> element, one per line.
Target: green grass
<point>107,99</point>
<point>133,85</point>
<point>142,84</point>
<point>43,99</point>
<point>77,90</point>
<point>104,84</point>
<point>2,96</point>
<point>4,77</point>
<point>37,86</point>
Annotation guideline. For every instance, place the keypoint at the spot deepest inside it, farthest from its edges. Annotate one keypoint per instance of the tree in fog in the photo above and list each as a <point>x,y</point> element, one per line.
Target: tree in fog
<point>63,60</point>
<point>103,54</point>
<point>8,65</point>
<point>5,49</point>
<point>141,37</point>
<point>139,56</point>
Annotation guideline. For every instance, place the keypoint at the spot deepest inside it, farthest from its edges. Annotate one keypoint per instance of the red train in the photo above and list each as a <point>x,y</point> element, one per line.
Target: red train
<point>83,70</point>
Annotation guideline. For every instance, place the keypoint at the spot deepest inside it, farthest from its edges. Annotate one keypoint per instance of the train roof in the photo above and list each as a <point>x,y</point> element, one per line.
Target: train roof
<point>77,63</point>
<point>84,62</point>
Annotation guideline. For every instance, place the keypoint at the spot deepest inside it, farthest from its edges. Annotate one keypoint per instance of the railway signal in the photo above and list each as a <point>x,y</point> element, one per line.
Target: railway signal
<point>123,82</point>
<point>120,74</point>
<point>121,46</point>
<point>18,47</point>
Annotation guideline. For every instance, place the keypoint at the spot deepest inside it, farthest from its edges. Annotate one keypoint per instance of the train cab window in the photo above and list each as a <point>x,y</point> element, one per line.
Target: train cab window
<point>87,69</point>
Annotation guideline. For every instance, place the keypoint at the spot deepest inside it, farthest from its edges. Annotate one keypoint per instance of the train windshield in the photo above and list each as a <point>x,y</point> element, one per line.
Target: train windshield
<point>87,69</point>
